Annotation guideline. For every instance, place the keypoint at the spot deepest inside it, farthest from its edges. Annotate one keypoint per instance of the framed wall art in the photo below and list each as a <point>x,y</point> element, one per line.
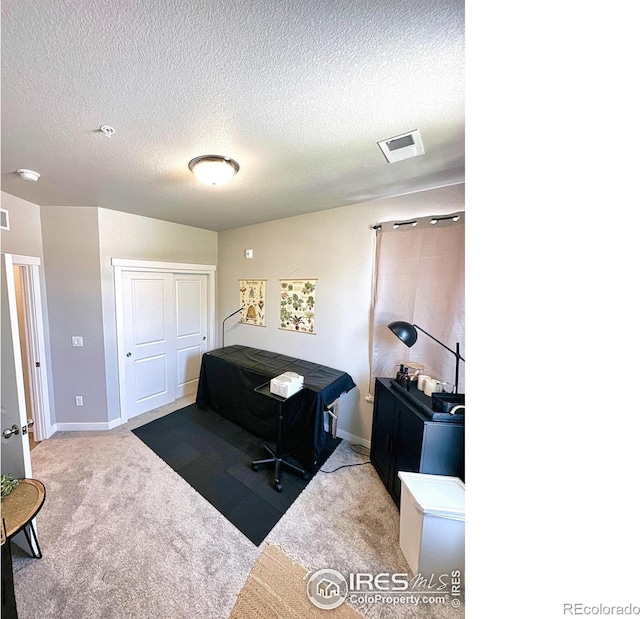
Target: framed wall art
<point>298,304</point>
<point>252,301</point>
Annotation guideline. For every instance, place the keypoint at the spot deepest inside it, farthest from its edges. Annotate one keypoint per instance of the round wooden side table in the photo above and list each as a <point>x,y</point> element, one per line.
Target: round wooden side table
<point>20,507</point>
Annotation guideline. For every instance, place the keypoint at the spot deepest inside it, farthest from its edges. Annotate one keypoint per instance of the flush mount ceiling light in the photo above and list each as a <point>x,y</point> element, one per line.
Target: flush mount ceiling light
<point>214,169</point>
<point>28,175</point>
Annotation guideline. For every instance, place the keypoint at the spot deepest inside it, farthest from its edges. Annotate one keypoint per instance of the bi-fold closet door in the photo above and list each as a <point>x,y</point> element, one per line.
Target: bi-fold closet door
<point>165,334</point>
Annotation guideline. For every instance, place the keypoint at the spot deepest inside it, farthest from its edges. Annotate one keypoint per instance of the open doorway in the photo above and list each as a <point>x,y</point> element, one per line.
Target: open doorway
<point>26,354</point>
<point>31,331</point>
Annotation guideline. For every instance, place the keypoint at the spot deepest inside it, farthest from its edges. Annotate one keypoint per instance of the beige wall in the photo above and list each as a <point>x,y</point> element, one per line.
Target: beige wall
<point>337,247</point>
<point>25,238</point>
<point>76,245</point>
<point>25,235</point>
<point>72,263</point>
<point>141,238</point>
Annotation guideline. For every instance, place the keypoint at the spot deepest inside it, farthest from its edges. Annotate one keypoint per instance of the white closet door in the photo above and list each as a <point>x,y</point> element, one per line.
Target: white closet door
<point>190,296</point>
<point>149,340</point>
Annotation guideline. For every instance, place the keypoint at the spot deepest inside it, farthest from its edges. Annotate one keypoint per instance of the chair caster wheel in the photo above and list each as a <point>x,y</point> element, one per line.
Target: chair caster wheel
<point>278,486</point>
<point>254,467</point>
<point>306,476</point>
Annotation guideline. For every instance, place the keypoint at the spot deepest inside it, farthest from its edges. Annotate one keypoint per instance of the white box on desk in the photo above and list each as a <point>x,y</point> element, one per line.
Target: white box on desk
<point>286,384</point>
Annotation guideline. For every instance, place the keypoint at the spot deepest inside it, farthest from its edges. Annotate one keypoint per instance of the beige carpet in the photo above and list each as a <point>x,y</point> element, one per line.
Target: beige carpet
<point>125,537</point>
<point>277,587</point>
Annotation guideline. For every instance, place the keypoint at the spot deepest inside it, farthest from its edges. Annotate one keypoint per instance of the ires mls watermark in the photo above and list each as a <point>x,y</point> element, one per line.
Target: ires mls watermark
<point>327,589</point>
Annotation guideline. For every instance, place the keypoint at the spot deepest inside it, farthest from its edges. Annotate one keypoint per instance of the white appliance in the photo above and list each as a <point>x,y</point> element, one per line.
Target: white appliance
<point>286,384</point>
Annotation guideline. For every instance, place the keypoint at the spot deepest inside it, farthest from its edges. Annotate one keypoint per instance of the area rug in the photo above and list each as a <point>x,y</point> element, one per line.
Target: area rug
<point>214,456</point>
<point>277,587</point>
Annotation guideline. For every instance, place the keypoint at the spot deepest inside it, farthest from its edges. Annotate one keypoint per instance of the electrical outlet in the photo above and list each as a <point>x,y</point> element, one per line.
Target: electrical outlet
<point>79,401</point>
<point>77,340</point>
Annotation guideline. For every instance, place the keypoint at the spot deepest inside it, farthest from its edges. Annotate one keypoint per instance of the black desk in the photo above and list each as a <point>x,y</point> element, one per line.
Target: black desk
<point>229,375</point>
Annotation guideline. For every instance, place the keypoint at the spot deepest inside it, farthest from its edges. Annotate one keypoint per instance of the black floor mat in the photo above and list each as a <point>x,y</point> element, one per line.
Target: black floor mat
<point>214,456</point>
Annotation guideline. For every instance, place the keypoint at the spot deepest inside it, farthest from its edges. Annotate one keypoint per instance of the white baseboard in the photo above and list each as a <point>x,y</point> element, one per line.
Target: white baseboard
<point>114,423</point>
<point>86,427</point>
<point>351,438</point>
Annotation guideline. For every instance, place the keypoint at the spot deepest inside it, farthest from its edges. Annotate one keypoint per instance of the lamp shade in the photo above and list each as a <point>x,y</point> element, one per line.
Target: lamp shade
<point>405,331</point>
<point>214,169</point>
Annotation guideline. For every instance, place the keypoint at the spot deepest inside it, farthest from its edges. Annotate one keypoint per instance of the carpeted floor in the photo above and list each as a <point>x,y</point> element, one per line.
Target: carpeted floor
<point>213,455</point>
<point>125,537</point>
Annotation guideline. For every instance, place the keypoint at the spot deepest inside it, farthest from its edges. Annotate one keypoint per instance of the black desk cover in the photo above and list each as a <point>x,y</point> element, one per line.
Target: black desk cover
<point>229,375</point>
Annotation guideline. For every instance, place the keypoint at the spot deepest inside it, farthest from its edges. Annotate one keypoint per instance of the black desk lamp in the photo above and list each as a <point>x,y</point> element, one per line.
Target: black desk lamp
<point>225,320</point>
<point>408,334</point>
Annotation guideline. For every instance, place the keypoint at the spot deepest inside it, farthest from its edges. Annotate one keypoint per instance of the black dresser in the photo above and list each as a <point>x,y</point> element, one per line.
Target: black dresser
<point>408,435</point>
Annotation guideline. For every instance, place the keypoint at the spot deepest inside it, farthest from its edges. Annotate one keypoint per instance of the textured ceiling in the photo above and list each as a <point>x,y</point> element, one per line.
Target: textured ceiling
<point>299,92</point>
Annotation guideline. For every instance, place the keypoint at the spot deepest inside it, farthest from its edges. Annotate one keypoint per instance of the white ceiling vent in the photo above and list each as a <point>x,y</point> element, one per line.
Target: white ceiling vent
<point>402,146</point>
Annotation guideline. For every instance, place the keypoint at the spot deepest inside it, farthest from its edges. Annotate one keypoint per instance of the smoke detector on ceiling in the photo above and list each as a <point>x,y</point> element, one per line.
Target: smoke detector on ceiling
<point>28,175</point>
<point>402,146</point>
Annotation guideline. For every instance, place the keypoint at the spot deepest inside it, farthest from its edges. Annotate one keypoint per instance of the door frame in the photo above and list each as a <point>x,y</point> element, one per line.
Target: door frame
<point>121,265</point>
<point>36,352</point>
<point>17,408</point>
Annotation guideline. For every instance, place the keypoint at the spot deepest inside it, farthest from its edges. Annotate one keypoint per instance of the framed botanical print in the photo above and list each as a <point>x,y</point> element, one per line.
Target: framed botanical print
<point>252,301</point>
<point>297,305</point>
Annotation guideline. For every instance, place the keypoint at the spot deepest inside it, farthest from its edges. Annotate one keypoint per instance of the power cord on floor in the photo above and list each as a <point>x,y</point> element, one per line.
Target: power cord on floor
<point>344,466</point>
